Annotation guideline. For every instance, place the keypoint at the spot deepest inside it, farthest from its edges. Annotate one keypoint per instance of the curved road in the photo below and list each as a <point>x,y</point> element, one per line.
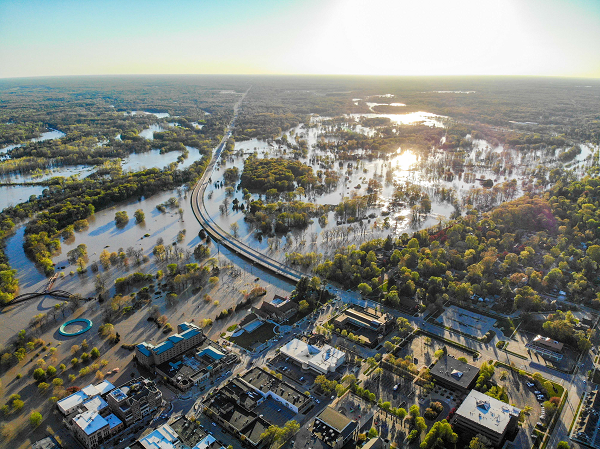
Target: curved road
<point>223,237</point>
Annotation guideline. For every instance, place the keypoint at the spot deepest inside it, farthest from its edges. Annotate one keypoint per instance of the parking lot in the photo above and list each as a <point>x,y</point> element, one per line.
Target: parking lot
<point>521,396</point>
<point>383,386</point>
<point>423,348</point>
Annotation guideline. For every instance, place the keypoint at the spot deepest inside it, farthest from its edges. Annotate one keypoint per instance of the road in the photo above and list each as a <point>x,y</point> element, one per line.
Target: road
<point>217,233</point>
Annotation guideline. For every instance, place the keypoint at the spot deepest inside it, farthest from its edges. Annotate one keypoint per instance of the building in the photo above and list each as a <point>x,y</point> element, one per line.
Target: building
<point>46,443</point>
<point>369,325</point>
<point>269,386</point>
<point>482,414</point>
<point>91,429</point>
<point>278,309</point>
<point>320,360</point>
<point>72,403</point>
<point>234,405</point>
<point>180,434</point>
<point>209,360</point>
<point>453,374</point>
<point>333,428</point>
<point>134,400</point>
<point>546,347</point>
<point>244,424</point>
<point>586,426</point>
<point>162,438</point>
<point>189,336</point>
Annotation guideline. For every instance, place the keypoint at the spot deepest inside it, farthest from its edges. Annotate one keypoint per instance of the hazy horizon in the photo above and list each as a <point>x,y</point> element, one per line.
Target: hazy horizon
<point>552,38</point>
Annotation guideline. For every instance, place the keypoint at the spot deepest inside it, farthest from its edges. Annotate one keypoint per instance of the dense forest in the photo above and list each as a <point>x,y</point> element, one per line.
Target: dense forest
<point>522,253</point>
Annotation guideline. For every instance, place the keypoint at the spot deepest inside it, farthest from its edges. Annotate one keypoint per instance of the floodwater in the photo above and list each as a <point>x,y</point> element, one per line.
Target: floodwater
<point>407,166</point>
<point>13,195</point>
<point>48,135</point>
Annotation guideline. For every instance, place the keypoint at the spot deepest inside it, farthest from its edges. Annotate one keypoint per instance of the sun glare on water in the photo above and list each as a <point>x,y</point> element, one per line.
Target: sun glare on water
<point>404,160</point>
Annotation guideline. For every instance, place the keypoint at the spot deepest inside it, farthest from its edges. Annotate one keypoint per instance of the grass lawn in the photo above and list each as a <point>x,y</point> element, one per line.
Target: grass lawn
<point>260,335</point>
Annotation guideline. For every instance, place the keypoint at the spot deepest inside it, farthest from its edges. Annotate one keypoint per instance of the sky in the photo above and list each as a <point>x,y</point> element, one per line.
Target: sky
<point>349,37</point>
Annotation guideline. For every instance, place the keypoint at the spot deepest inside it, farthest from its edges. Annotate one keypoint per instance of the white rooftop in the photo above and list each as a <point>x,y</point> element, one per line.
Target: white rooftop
<point>90,390</point>
<point>90,422</point>
<point>162,438</point>
<point>104,387</point>
<point>487,411</point>
<point>72,400</point>
<point>95,404</point>
<point>325,359</point>
<point>205,442</point>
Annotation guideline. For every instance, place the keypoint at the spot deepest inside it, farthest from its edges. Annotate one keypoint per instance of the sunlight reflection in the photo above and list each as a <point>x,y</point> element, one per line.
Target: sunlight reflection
<point>404,160</point>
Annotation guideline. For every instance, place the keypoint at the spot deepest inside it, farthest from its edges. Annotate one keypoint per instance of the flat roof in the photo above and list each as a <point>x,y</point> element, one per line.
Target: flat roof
<point>90,422</point>
<point>72,400</point>
<point>95,404</point>
<point>162,438</point>
<point>452,370</point>
<point>225,407</point>
<point>487,411</point>
<point>189,432</point>
<point>113,421</point>
<point>334,419</point>
<point>265,382</point>
<point>324,359</point>
<point>104,387</point>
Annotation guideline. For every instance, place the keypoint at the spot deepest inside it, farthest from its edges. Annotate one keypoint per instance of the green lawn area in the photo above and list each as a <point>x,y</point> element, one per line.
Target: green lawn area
<point>260,335</point>
<point>507,325</point>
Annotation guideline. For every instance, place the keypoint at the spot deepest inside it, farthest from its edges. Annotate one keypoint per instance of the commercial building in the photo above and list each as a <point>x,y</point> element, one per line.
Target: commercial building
<point>208,360</point>
<point>482,414</point>
<point>269,386</point>
<point>586,426</point>
<point>333,428</point>
<point>278,309</point>
<point>546,347</point>
<point>177,435</point>
<point>92,429</point>
<point>233,405</point>
<point>367,324</point>
<point>322,360</point>
<point>72,403</point>
<point>189,336</point>
<point>134,400</point>
<point>453,374</point>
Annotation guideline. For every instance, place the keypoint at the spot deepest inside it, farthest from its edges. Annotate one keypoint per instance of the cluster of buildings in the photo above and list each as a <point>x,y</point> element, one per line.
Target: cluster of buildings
<point>97,413</point>
<point>238,405</point>
<point>181,434</point>
<point>478,413</point>
<point>185,358</point>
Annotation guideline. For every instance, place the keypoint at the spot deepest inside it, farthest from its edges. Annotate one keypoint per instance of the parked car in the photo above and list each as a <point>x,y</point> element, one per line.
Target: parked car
<point>530,384</point>
<point>396,387</point>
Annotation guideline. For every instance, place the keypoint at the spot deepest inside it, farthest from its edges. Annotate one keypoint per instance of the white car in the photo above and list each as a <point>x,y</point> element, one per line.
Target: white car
<point>396,387</point>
